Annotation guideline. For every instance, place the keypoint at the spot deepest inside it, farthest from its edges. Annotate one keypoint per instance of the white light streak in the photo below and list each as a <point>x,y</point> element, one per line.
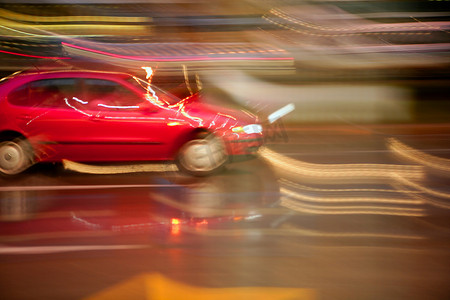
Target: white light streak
<point>281,112</point>
<point>118,106</point>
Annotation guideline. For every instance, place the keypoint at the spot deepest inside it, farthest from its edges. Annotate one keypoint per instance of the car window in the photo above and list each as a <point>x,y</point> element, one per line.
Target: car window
<point>48,93</point>
<point>109,95</point>
<point>51,92</point>
<point>19,96</point>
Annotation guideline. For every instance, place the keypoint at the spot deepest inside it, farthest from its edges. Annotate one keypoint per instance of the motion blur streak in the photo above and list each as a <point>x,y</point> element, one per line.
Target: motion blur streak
<point>74,108</point>
<point>323,199</point>
<point>325,172</point>
<point>6,14</point>
<point>149,73</point>
<point>73,25</point>
<point>59,249</point>
<point>73,30</point>
<point>412,28</point>
<point>236,214</point>
<point>422,188</point>
<point>158,287</point>
<point>295,231</point>
<point>81,187</point>
<point>351,210</point>
<point>56,235</point>
<point>204,57</point>
<point>111,169</point>
<point>304,187</point>
<point>417,156</point>
<point>33,56</point>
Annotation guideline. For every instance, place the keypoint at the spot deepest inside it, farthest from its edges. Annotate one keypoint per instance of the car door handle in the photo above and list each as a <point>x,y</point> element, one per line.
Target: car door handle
<point>25,117</point>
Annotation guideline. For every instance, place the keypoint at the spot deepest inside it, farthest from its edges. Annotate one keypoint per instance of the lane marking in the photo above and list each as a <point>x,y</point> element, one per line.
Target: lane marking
<point>82,187</point>
<point>58,249</point>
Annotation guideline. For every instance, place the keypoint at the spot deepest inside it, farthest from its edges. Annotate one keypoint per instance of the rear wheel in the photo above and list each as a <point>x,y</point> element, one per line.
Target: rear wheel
<point>202,156</point>
<point>15,156</point>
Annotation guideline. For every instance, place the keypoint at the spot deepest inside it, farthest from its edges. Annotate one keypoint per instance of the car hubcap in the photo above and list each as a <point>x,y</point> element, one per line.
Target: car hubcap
<point>203,155</point>
<point>11,157</point>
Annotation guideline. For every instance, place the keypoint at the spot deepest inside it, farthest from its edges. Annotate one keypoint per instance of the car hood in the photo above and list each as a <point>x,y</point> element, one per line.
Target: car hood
<point>211,115</point>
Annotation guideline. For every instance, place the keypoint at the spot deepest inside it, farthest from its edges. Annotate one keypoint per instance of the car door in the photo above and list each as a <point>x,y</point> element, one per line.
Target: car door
<point>124,126</point>
<point>46,117</point>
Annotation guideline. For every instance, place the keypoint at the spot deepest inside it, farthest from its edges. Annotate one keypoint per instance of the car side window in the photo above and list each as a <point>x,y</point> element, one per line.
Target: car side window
<point>46,93</point>
<point>51,92</point>
<point>19,96</point>
<point>109,96</point>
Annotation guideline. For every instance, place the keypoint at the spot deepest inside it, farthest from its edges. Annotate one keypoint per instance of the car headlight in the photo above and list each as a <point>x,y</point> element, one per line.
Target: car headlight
<point>252,128</point>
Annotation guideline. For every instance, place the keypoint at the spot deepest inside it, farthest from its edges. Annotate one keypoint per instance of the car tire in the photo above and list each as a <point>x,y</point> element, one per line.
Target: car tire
<point>203,156</point>
<point>15,156</point>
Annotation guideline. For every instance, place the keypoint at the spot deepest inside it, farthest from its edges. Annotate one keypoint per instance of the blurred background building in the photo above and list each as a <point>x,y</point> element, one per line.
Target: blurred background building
<point>337,61</point>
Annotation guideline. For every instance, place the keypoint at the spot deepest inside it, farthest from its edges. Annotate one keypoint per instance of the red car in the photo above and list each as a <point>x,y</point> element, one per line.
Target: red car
<point>91,116</point>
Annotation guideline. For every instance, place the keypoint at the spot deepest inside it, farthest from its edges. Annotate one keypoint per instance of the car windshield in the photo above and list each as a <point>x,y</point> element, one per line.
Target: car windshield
<point>156,94</point>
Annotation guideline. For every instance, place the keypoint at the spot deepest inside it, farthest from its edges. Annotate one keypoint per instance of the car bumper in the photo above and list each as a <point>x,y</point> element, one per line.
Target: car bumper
<point>243,146</point>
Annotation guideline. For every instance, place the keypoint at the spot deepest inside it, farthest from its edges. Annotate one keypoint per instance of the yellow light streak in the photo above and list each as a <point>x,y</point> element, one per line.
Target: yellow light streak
<point>350,210</point>
<point>227,116</point>
<point>53,30</point>
<point>326,172</point>
<point>426,191</point>
<point>111,169</point>
<point>186,79</point>
<point>422,188</point>
<point>417,156</point>
<point>7,14</point>
<point>322,199</point>
<point>285,181</point>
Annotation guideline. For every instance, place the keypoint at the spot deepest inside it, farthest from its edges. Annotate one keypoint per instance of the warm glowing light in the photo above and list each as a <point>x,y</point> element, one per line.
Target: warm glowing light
<point>228,116</point>
<point>351,209</point>
<point>293,168</point>
<point>418,156</point>
<point>175,230</point>
<point>149,72</point>
<point>203,222</point>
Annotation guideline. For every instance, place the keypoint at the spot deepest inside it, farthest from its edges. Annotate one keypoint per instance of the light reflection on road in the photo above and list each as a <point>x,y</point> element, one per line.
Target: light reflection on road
<point>262,193</point>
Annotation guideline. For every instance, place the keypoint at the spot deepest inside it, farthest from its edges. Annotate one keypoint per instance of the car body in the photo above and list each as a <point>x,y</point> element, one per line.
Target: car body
<point>92,116</point>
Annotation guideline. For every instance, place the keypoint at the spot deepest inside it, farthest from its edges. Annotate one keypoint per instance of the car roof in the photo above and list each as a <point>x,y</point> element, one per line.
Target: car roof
<point>58,73</point>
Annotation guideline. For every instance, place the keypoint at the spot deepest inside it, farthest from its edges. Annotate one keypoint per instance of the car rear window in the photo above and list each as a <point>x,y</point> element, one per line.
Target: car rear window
<point>19,96</point>
<point>44,93</point>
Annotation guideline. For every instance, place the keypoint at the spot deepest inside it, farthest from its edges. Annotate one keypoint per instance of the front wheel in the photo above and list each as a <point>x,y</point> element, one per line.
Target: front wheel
<point>202,156</point>
<point>15,156</point>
